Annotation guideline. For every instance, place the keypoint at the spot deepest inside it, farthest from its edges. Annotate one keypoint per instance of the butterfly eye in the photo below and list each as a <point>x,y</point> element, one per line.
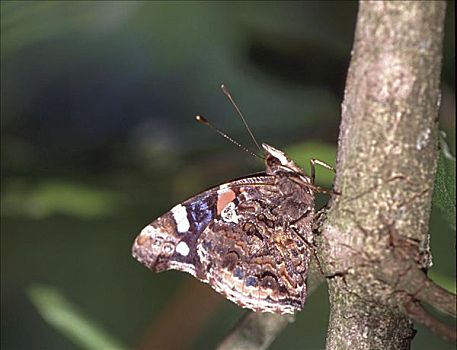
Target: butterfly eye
<point>272,161</point>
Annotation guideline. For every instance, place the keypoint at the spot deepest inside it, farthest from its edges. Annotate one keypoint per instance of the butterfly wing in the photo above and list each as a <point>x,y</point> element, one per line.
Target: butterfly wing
<point>249,239</point>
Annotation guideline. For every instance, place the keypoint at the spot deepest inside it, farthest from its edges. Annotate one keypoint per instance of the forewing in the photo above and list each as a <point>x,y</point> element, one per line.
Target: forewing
<point>169,242</point>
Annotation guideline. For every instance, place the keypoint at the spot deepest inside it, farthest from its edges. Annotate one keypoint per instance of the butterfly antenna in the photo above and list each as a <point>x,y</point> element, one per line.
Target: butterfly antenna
<point>203,121</point>
<point>238,111</point>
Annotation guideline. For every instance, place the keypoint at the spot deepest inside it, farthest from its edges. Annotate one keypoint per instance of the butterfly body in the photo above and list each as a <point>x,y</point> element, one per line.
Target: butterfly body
<point>249,238</point>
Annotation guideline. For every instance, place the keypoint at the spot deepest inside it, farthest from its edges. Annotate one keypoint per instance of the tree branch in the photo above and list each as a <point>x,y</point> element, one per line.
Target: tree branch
<point>416,312</point>
<point>374,243</point>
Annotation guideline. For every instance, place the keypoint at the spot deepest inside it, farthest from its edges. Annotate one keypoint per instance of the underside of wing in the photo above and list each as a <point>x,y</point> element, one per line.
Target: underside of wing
<point>256,252</point>
<point>249,239</point>
<point>169,242</point>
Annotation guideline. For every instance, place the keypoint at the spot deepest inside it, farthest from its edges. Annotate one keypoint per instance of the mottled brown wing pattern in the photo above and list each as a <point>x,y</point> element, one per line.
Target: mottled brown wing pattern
<point>250,239</point>
<point>257,251</point>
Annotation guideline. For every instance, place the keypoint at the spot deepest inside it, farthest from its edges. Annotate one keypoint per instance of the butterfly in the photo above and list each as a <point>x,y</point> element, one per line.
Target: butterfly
<point>250,239</point>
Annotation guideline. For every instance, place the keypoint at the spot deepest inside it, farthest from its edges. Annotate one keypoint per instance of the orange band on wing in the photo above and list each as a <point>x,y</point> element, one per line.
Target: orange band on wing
<point>225,196</point>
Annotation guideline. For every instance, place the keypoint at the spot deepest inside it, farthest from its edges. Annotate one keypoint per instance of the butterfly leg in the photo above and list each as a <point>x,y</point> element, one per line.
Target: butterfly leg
<point>313,163</point>
<point>324,190</point>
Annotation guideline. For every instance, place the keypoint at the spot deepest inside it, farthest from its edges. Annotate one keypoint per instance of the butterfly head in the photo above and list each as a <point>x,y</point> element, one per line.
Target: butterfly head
<point>277,161</point>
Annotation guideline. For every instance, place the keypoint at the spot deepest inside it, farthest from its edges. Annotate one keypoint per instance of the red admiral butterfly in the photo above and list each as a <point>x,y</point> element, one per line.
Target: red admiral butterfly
<point>250,239</point>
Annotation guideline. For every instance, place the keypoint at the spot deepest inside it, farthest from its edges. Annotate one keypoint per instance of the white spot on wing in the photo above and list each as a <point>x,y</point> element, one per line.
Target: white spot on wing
<point>180,216</point>
<point>229,213</point>
<point>182,248</point>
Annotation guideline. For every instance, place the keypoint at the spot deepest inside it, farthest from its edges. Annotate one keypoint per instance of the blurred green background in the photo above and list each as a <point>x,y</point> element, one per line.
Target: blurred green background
<point>98,139</point>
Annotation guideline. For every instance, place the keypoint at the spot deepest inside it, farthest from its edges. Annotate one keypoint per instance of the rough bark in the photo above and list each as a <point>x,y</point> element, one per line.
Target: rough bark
<point>376,233</point>
<point>373,244</point>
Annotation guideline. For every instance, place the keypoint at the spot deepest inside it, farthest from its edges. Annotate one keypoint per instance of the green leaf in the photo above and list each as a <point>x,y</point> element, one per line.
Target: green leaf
<point>444,192</point>
<point>52,197</point>
<point>64,317</point>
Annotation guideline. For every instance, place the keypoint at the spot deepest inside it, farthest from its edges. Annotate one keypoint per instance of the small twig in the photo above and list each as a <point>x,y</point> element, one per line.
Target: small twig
<point>413,281</point>
<point>413,286</point>
<point>255,331</point>
<point>416,312</point>
<point>437,297</point>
